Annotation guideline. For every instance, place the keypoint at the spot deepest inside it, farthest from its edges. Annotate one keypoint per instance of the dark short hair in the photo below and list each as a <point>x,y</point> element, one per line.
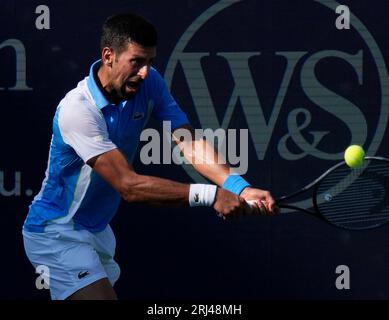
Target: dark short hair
<point>120,29</point>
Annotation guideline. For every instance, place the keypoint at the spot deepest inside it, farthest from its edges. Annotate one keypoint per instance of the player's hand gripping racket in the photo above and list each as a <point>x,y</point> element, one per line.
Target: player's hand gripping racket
<point>349,198</point>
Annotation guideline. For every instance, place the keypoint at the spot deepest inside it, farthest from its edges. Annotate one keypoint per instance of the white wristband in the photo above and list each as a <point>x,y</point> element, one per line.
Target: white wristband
<point>202,195</point>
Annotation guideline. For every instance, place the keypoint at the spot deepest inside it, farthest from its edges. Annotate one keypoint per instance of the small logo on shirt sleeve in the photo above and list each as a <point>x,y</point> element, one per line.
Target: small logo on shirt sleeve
<point>138,115</point>
<point>100,137</point>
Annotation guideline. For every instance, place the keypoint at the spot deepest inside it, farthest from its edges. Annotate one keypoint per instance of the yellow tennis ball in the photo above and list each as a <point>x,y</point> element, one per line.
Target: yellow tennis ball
<point>354,156</point>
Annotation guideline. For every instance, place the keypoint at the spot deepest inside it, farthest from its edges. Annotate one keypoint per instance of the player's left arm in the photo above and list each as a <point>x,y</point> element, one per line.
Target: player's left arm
<point>209,163</point>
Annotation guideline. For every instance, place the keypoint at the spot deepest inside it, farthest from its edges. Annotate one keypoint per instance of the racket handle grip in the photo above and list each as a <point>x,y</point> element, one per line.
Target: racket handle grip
<point>253,204</point>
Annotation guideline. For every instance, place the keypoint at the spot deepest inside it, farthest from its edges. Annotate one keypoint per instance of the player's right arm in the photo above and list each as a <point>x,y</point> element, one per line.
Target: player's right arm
<point>137,188</point>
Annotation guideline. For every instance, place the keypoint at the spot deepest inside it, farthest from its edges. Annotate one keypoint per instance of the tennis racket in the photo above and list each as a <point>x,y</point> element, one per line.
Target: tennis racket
<point>348,198</point>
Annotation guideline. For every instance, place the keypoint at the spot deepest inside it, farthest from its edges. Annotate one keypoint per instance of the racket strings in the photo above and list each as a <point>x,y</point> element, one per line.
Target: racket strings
<point>355,198</point>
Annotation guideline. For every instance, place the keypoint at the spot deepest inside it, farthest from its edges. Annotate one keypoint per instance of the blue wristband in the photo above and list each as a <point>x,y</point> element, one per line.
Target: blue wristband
<point>235,184</point>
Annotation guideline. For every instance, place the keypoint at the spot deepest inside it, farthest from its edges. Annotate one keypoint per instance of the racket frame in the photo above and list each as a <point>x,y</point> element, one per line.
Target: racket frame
<point>315,185</point>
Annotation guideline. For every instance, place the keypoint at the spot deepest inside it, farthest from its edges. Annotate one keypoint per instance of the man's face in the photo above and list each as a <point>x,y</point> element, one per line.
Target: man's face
<point>130,68</point>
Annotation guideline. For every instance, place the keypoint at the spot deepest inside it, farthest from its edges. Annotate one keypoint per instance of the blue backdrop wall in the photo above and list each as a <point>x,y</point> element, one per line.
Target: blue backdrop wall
<point>304,89</point>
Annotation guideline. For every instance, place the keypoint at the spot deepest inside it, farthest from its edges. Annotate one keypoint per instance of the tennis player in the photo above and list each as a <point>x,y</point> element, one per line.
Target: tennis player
<point>96,129</point>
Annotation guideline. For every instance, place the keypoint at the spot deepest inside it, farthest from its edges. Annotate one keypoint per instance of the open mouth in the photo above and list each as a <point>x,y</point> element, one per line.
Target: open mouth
<point>133,85</point>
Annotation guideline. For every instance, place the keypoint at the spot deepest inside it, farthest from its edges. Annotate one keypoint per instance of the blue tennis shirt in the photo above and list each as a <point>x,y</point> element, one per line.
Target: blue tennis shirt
<point>85,125</point>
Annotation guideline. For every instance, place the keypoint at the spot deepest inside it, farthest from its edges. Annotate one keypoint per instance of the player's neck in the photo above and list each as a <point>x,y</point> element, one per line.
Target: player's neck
<point>103,83</point>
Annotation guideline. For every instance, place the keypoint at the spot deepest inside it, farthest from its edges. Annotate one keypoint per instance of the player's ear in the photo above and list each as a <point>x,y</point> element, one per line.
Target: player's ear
<point>107,56</point>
